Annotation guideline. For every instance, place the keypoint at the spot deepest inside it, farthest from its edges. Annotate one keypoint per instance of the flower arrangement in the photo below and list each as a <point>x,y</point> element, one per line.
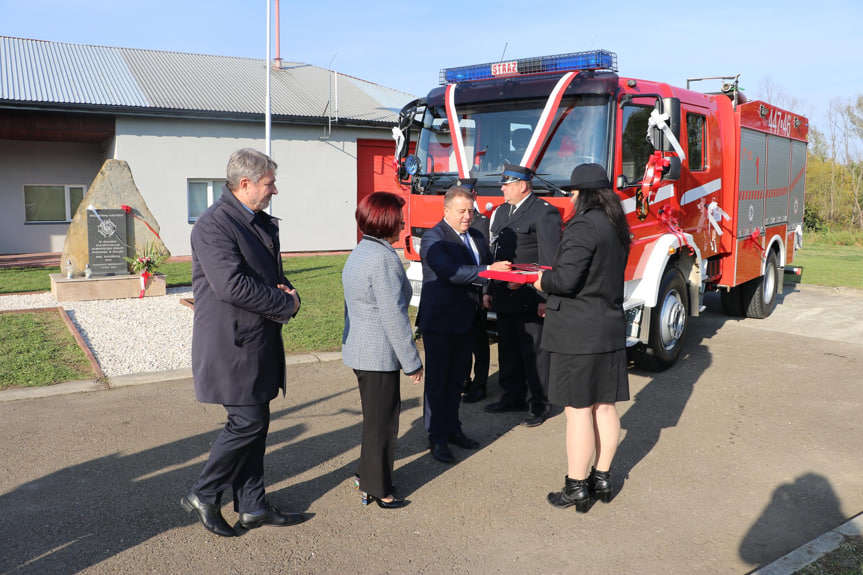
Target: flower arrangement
<point>146,264</point>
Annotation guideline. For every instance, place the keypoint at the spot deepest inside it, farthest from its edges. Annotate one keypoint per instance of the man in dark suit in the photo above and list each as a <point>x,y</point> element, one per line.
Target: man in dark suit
<point>525,229</point>
<point>452,257</point>
<point>242,298</point>
<point>475,389</point>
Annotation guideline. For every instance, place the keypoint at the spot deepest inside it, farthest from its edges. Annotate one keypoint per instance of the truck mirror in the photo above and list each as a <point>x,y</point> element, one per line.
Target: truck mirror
<point>622,181</point>
<point>671,106</point>
<point>673,171</point>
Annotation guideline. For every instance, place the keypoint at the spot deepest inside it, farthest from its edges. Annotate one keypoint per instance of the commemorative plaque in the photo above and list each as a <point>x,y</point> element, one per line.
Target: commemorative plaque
<point>106,242</point>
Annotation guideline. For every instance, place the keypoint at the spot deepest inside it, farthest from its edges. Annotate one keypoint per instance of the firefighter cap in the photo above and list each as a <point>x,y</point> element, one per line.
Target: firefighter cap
<point>587,177</point>
<point>467,183</point>
<point>514,172</point>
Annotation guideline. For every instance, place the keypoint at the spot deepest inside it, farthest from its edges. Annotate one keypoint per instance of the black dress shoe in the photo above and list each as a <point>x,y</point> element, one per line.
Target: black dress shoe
<point>441,452</point>
<point>503,406</point>
<point>394,504</point>
<point>474,394</point>
<point>533,420</point>
<point>464,441</point>
<point>209,514</point>
<point>271,516</point>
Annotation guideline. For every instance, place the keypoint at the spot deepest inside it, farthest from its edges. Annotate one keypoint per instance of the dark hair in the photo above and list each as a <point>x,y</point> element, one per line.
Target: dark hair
<point>380,214</point>
<point>606,200</point>
<point>457,192</point>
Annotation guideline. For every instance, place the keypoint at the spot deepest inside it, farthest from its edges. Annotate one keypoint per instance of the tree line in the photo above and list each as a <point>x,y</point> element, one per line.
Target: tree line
<point>834,174</point>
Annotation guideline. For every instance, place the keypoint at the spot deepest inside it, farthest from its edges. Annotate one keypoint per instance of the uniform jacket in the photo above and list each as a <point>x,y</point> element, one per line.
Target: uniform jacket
<point>452,288</point>
<point>584,311</point>
<point>238,357</point>
<point>530,235</point>
<point>378,334</point>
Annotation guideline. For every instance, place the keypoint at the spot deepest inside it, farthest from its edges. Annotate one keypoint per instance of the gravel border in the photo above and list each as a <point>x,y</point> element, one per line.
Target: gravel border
<point>127,335</point>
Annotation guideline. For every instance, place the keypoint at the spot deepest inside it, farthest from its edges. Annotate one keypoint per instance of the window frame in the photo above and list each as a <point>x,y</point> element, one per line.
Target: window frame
<point>67,201</point>
<point>213,185</point>
<point>703,141</point>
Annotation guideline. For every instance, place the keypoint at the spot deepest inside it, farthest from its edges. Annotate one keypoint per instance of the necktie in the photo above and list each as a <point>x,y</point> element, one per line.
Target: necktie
<point>466,241</point>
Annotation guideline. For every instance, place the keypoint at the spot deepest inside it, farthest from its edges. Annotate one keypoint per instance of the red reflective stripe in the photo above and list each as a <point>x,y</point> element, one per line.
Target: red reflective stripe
<point>545,120</point>
<point>455,132</point>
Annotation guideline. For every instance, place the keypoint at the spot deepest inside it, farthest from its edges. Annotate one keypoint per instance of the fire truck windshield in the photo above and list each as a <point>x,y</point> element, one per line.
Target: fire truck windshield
<point>497,132</point>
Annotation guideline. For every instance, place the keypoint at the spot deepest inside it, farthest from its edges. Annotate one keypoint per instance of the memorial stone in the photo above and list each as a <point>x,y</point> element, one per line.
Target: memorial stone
<point>112,188</point>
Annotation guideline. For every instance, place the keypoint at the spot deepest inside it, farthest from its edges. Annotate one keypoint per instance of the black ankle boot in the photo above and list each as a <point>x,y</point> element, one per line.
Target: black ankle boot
<point>574,492</point>
<point>599,484</point>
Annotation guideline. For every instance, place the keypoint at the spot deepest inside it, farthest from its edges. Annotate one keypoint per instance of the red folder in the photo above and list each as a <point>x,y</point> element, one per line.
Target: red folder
<point>520,274</point>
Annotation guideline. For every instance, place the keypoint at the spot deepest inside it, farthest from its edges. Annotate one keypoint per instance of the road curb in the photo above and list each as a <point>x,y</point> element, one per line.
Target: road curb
<point>814,550</point>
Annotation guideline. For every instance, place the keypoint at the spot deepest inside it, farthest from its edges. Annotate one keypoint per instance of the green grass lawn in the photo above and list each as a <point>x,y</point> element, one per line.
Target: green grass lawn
<point>831,265</point>
<point>318,326</point>
<point>37,349</point>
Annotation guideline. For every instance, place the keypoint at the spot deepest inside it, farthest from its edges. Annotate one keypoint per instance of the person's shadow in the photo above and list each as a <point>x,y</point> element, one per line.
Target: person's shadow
<point>797,513</point>
<point>660,403</point>
<point>83,514</point>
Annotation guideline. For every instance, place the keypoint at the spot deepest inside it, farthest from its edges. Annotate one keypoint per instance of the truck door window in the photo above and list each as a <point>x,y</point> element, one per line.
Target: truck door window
<point>635,147</point>
<point>579,135</point>
<point>695,136</point>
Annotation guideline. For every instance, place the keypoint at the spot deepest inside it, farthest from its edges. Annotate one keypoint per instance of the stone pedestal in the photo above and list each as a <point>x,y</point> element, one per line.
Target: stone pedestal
<point>108,287</point>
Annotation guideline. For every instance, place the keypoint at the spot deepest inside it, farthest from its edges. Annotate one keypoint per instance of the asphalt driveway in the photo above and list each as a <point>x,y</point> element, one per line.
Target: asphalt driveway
<point>746,449</point>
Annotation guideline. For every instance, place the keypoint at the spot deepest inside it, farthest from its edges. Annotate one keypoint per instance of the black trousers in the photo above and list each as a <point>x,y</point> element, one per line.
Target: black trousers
<point>380,394</point>
<point>446,367</point>
<point>481,351</point>
<point>524,365</point>
<point>237,460</point>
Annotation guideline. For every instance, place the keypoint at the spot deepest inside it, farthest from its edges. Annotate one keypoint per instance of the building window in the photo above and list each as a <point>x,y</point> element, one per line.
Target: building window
<point>695,135</point>
<point>202,194</point>
<point>52,203</point>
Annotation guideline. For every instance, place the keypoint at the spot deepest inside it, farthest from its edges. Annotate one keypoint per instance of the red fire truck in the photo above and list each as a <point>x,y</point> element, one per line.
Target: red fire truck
<point>712,184</point>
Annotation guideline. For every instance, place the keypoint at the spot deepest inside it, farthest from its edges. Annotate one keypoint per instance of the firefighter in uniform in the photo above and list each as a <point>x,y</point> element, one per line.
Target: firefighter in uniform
<point>525,229</point>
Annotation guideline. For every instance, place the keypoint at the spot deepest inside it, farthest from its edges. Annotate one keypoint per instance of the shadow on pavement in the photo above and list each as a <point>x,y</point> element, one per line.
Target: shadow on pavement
<point>809,504</point>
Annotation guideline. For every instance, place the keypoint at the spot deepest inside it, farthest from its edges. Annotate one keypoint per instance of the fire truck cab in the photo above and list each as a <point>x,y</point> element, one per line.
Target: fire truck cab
<point>712,184</point>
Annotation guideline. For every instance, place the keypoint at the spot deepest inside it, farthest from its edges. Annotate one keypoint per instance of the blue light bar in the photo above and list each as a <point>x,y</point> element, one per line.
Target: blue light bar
<point>577,61</point>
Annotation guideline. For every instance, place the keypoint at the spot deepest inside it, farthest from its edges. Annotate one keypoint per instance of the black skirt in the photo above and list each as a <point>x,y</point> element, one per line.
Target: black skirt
<point>588,379</point>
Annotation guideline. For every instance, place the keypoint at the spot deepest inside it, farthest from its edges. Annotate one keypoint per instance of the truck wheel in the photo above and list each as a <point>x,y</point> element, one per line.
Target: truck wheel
<point>762,291</point>
<point>668,323</point>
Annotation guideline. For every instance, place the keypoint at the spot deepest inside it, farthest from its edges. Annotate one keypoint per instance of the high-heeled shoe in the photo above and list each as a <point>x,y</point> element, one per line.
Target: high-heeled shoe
<point>394,504</point>
<point>599,484</point>
<point>574,492</point>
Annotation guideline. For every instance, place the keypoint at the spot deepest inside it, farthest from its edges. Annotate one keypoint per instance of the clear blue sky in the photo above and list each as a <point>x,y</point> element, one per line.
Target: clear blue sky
<point>809,51</point>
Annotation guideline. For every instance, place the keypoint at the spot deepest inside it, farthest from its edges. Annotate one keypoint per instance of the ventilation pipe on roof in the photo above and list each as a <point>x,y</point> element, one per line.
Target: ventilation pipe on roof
<point>333,104</point>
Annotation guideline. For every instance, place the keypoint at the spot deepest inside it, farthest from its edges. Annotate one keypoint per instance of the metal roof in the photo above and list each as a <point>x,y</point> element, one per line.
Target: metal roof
<point>68,76</point>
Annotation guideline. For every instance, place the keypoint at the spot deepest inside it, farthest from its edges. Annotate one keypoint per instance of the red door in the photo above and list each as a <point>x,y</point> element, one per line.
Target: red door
<point>375,173</point>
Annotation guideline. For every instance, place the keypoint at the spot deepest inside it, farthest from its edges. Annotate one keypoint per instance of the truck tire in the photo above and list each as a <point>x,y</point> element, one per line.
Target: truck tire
<point>668,324</point>
<point>761,294</point>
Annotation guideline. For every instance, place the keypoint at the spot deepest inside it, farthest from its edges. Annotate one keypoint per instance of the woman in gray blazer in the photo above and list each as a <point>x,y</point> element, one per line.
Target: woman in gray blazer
<point>585,331</point>
<point>378,339</point>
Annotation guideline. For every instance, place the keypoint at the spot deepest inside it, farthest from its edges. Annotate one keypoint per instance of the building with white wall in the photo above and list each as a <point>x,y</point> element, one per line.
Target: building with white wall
<point>175,119</point>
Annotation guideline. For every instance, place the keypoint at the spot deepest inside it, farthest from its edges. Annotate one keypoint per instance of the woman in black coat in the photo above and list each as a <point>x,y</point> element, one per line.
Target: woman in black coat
<point>585,331</point>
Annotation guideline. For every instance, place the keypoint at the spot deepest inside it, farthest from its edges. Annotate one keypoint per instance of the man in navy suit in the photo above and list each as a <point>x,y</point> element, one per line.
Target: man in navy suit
<point>452,257</point>
<point>242,298</point>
